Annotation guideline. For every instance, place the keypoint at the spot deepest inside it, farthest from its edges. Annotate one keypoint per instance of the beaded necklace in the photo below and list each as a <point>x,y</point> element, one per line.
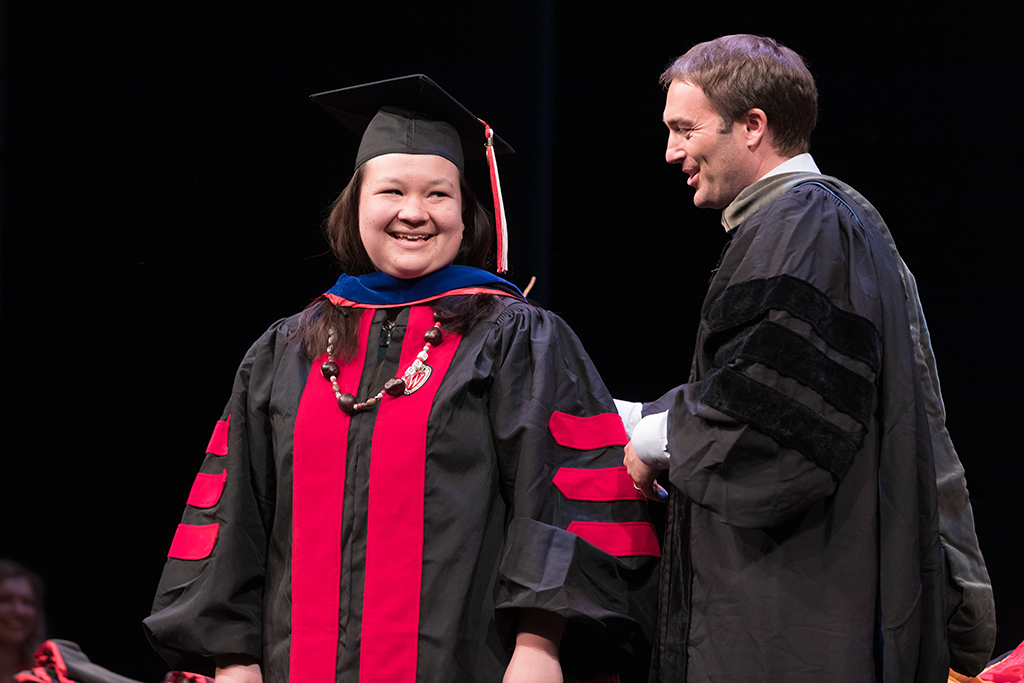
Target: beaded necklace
<point>394,387</point>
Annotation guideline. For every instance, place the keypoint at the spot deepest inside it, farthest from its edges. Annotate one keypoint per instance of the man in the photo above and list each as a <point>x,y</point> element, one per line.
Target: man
<point>819,527</point>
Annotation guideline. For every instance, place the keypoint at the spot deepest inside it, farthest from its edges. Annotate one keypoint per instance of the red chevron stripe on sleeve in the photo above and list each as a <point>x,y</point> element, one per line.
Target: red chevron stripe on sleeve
<point>206,489</point>
<point>620,539</point>
<point>219,441</point>
<point>193,541</point>
<point>587,433</point>
<point>605,484</point>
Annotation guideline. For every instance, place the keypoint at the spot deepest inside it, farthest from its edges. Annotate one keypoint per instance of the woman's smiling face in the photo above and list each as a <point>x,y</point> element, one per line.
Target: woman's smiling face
<point>410,213</point>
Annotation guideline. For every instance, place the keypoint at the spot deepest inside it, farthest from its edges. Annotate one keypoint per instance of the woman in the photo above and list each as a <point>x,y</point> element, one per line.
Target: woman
<point>21,618</point>
<point>418,474</point>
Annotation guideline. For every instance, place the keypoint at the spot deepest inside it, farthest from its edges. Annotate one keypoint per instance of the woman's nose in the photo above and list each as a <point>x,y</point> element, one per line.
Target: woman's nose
<point>412,210</point>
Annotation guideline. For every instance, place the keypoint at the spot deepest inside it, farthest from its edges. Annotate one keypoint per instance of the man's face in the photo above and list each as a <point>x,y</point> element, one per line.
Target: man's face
<point>718,163</point>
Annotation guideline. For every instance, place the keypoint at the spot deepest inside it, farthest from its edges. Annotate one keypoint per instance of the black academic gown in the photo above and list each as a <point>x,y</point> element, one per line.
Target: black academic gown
<point>803,536</point>
<point>341,552</point>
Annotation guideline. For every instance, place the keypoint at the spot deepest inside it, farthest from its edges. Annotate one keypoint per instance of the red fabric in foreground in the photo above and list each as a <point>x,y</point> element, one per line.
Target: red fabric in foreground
<point>394,526</point>
<point>619,538</point>
<point>606,484</point>
<point>587,433</point>
<point>46,656</point>
<point>49,655</point>
<point>219,440</point>
<point>193,541</point>
<point>1010,670</point>
<point>320,447</point>
<point>206,489</point>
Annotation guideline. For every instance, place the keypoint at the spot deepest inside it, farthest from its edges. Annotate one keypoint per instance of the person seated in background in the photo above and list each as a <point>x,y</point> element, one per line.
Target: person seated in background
<point>22,626</point>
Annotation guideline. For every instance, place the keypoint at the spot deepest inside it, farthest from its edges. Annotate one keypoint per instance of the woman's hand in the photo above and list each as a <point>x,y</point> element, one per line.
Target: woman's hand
<point>535,659</point>
<point>530,665</point>
<point>238,669</point>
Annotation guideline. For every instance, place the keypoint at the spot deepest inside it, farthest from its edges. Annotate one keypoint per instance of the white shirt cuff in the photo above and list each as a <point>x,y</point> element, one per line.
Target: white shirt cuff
<point>630,413</point>
<point>650,440</point>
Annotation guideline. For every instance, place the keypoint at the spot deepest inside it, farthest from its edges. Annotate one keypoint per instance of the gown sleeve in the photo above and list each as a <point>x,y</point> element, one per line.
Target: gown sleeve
<point>579,542</point>
<point>210,598</point>
<point>788,361</point>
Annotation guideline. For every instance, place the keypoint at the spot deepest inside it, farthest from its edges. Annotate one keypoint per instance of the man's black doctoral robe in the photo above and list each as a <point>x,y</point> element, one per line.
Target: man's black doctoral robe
<point>803,541</point>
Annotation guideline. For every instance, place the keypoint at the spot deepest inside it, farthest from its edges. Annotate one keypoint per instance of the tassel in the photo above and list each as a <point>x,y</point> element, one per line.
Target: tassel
<point>499,204</point>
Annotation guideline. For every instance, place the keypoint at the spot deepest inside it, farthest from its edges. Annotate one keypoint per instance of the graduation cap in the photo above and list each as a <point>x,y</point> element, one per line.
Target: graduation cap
<point>413,115</point>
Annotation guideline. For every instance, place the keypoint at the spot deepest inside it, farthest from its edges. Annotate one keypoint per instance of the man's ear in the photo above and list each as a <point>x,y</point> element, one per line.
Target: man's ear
<point>755,128</point>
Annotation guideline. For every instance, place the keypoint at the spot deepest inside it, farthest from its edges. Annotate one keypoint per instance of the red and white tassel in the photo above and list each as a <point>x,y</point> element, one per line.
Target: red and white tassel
<point>499,204</point>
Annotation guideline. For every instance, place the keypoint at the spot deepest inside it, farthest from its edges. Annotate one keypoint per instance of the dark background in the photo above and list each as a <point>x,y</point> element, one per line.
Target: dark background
<point>164,177</point>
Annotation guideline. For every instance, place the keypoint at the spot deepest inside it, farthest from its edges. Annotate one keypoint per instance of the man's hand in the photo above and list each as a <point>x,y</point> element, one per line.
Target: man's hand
<point>643,476</point>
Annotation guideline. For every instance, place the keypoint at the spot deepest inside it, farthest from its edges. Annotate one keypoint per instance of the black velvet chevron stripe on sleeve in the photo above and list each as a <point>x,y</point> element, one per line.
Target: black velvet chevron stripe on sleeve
<point>791,355</point>
<point>742,303</point>
<point>787,422</point>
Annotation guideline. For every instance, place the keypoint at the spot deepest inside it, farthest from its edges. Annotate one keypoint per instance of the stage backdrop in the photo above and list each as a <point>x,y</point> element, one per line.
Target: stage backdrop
<point>164,177</point>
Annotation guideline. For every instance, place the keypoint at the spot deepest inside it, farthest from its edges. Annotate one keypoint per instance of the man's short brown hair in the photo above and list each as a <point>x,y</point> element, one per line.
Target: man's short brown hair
<point>742,72</point>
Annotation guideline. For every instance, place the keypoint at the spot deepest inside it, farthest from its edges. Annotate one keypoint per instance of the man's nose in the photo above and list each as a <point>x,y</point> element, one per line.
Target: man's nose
<point>674,154</point>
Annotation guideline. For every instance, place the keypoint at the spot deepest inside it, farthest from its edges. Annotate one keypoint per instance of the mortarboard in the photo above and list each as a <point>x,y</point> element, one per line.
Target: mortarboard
<point>413,115</point>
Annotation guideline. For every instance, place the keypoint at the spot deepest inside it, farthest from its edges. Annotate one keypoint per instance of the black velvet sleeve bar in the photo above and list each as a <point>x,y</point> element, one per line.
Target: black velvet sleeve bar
<point>788,352</point>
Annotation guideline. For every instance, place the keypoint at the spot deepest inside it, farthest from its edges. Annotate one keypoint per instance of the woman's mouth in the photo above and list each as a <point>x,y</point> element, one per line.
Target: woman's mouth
<point>409,238</point>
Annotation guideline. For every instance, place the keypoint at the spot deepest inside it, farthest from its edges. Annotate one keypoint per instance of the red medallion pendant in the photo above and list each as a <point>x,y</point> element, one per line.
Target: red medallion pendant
<point>417,378</point>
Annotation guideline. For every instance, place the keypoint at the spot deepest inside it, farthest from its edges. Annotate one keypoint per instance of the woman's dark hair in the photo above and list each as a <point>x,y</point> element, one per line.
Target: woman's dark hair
<point>9,569</point>
<point>342,232</point>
